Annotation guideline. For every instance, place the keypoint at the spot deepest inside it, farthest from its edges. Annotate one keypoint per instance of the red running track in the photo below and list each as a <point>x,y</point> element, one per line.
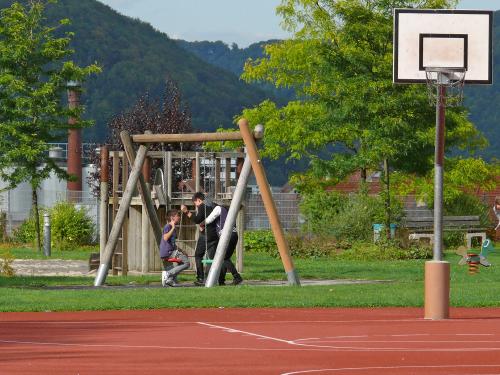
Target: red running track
<point>251,341</point>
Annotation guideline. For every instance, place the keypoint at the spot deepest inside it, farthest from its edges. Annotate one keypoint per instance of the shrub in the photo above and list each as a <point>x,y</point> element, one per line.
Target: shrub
<point>6,260</point>
<point>384,250</point>
<point>26,232</point>
<point>453,239</point>
<point>320,208</point>
<point>466,205</point>
<point>311,247</point>
<point>355,221</point>
<point>70,226</point>
<point>261,242</point>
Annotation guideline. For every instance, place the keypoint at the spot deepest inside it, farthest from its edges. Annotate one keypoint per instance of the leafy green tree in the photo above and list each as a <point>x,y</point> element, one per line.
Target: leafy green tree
<point>472,176</point>
<point>34,71</point>
<point>348,115</point>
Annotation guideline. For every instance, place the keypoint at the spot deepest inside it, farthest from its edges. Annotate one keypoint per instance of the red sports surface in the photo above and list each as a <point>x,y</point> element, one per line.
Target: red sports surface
<point>251,341</point>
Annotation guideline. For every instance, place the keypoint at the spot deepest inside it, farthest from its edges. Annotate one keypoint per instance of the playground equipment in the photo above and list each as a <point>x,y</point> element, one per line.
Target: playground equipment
<point>474,260</point>
<point>136,180</point>
<point>444,49</point>
<point>213,173</point>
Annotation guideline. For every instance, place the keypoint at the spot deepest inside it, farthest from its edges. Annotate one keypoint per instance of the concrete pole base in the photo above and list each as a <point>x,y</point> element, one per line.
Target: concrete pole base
<point>437,290</point>
<point>293,278</point>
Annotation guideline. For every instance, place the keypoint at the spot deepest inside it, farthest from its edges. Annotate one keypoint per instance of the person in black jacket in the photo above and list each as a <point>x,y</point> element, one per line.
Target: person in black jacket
<point>199,216</point>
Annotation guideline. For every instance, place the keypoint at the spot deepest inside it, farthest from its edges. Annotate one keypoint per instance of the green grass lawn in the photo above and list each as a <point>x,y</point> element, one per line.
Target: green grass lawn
<point>81,253</point>
<point>403,287</point>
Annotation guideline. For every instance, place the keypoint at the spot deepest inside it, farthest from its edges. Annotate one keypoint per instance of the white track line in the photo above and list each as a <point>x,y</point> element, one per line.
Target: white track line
<point>350,348</point>
<point>472,366</point>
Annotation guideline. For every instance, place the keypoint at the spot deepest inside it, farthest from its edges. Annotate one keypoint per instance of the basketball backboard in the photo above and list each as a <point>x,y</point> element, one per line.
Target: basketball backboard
<point>442,38</point>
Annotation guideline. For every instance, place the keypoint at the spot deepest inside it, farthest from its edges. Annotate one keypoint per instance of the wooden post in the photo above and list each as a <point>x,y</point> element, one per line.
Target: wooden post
<point>196,172</point>
<point>267,198</point>
<point>116,184</point>
<point>169,175</point>
<point>103,204</point>
<point>143,189</point>
<point>124,265</point>
<point>146,172</point>
<point>227,175</point>
<point>217,177</point>
<point>120,216</point>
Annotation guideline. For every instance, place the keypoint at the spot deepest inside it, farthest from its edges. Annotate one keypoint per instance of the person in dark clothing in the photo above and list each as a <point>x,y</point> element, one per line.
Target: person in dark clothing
<point>199,216</point>
<point>201,249</point>
<point>218,215</point>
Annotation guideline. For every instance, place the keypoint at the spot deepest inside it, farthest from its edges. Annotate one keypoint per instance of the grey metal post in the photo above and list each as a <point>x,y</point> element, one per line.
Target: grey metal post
<point>46,234</point>
<point>120,215</point>
<point>220,253</point>
<point>438,171</point>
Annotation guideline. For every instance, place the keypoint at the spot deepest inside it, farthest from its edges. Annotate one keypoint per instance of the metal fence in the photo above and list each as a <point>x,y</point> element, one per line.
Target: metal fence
<point>287,205</point>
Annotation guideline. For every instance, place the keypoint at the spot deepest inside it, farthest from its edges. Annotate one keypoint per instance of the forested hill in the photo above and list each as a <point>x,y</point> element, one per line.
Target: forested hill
<point>484,101</point>
<point>232,58</point>
<point>136,58</point>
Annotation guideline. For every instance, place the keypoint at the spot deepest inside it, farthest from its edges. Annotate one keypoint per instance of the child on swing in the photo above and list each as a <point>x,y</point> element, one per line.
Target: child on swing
<point>169,252</point>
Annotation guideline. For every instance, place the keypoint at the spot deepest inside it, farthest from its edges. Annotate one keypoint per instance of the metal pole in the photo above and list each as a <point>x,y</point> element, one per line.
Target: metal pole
<point>220,253</point>
<point>438,173</point>
<point>267,198</point>
<point>437,271</point>
<point>102,272</point>
<point>46,234</point>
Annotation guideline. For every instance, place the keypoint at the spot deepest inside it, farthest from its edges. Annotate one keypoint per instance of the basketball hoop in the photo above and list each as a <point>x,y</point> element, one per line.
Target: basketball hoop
<point>452,79</point>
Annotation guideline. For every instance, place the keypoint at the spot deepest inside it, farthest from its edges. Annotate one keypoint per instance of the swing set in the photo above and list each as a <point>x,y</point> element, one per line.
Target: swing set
<point>137,180</point>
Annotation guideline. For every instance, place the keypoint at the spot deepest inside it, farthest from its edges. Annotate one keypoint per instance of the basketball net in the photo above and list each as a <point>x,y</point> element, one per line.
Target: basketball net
<point>452,79</point>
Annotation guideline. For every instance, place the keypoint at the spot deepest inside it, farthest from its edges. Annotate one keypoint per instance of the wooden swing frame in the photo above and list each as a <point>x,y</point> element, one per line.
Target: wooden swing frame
<point>136,179</point>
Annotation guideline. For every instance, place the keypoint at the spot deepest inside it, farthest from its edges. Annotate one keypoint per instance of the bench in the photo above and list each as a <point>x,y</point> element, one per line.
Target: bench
<point>423,227</point>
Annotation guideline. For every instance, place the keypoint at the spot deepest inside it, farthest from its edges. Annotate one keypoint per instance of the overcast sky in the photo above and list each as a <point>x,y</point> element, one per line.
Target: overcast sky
<point>240,21</point>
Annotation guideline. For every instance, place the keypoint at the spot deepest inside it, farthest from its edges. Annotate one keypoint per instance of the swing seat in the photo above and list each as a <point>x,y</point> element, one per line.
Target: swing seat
<point>174,260</point>
<point>207,261</point>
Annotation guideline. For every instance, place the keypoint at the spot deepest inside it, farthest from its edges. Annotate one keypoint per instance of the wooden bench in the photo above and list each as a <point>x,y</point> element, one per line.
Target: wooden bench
<point>423,227</point>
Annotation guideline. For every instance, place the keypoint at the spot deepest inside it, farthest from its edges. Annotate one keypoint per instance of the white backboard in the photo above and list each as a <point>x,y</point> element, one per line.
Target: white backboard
<point>442,38</point>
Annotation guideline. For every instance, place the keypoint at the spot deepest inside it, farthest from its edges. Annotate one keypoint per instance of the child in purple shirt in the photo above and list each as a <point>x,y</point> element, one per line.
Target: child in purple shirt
<point>169,253</point>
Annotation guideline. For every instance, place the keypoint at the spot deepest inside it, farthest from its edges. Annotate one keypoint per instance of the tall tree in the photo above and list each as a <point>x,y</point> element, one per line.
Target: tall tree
<point>167,115</point>
<point>348,115</point>
<point>34,71</point>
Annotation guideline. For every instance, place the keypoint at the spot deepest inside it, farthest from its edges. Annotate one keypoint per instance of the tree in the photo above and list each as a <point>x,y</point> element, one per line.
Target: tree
<point>348,115</point>
<point>165,116</point>
<point>34,71</point>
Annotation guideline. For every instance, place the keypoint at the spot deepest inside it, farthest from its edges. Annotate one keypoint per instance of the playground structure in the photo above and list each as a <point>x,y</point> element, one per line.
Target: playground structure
<point>210,172</point>
<point>135,179</point>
